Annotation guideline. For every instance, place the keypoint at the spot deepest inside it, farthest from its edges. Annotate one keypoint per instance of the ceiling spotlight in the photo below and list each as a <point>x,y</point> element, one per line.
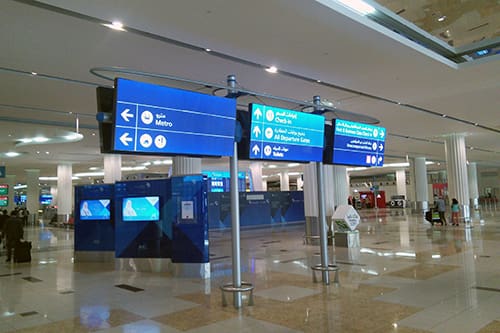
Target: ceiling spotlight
<point>442,18</point>
<point>319,81</point>
<point>47,152</point>
<point>12,154</point>
<point>272,69</point>
<point>115,25</point>
<point>34,73</point>
<point>444,116</point>
<point>208,50</point>
<point>476,124</point>
<point>40,139</point>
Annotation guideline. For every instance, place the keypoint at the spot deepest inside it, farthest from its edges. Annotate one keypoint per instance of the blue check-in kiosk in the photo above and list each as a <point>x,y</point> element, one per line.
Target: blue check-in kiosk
<point>94,223</point>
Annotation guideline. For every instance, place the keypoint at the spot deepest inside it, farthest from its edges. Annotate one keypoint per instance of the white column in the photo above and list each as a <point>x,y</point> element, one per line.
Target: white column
<point>421,191</point>
<point>256,176</point>
<point>401,182</point>
<point>264,185</point>
<point>341,189</point>
<point>53,192</point>
<point>186,166</point>
<point>64,191</point>
<point>473,186</point>
<point>112,168</point>
<point>310,191</point>
<point>10,180</point>
<point>33,192</point>
<point>300,183</point>
<point>329,190</point>
<point>284,181</point>
<point>456,167</point>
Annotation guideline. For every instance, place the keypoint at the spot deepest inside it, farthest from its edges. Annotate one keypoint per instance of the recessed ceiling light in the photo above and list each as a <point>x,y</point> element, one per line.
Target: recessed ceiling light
<point>272,69</point>
<point>208,50</point>
<point>272,166</point>
<point>442,18</point>
<point>115,25</point>
<point>12,154</point>
<point>47,152</point>
<point>444,116</point>
<point>93,134</point>
<point>319,81</point>
<point>476,124</point>
<point>291,165</point>
<point>38,152</point>
<point>34,73</point>
<point>93,168</point>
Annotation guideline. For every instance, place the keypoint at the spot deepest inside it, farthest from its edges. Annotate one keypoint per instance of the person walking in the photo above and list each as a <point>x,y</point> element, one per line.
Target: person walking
<point>455,211</point>
<point>13,230</point>
<point>441,207</point>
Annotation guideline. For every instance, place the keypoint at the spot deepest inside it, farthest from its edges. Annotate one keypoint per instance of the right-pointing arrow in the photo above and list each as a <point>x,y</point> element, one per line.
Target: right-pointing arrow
<point>125,139</point>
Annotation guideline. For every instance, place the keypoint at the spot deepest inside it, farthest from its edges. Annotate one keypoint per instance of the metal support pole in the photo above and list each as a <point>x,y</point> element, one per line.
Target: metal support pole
<point>322,213</point>
<point>235,213</point>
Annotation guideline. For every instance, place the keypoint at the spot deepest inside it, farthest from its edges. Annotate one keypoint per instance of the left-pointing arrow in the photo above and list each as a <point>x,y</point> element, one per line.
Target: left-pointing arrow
<point>125,139</point>
<point>126,115</point>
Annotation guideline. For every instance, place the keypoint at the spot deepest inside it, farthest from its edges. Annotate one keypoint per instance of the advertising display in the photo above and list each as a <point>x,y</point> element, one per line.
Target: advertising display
<point>285,135</point>
<point>158,120</point>
<point>45,199</point>
<point>4,200</point>
<point>95,209</point>
<point>4,189</point>
<point>220,181</point>
<point>141,208</point>
<point>358,144</point>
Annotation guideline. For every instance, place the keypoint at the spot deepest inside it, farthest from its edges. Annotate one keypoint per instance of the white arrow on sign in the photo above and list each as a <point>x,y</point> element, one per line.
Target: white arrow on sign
<point>380,147</point>
<point>126,115</point>
<point>256,149</point>
<point>256,131</point>
<point>257,113</point>
<point>382,134</point>
<point>125,139</point>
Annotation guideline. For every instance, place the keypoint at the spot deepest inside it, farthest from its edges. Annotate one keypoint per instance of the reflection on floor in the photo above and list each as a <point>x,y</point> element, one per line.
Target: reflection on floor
<point>406,277</point>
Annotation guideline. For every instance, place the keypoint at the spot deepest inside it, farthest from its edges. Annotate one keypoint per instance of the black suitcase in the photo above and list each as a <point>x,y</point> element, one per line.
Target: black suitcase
<point>22,252</point>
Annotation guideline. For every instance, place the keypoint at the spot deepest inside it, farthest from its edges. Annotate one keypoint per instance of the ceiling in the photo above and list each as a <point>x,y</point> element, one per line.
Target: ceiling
<point>361,69</point>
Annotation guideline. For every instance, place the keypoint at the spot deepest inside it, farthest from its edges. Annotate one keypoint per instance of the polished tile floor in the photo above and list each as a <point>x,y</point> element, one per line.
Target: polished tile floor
<point>406,277</point>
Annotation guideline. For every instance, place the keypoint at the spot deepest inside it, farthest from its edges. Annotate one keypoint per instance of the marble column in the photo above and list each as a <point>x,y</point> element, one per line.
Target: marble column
<point>473,186</point>
<point>112,168</point>
<point>64,192</point>
<point>341,189</point>
<point>256,176</point>
<point>401,182</point>
<point>33,193</point>
<point>421,191</point>
<point>186,166</point>
<point>284,181</point>
<point>456,167</point>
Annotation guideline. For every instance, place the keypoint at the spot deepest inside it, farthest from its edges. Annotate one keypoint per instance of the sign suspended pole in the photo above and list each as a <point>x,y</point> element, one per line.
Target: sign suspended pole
<point>235,211</point>
<point>321,210</point>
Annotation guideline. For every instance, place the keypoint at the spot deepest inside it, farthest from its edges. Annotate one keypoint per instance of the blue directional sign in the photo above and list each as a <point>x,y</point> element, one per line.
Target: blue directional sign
<point>358,144</point>
<point>287,135</point>
<point>159,120</point>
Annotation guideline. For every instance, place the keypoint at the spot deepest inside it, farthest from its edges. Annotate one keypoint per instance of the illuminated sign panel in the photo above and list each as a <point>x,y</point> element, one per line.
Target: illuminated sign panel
<point>287,135</point>
<point>158,120</point>
<point>358,144</point>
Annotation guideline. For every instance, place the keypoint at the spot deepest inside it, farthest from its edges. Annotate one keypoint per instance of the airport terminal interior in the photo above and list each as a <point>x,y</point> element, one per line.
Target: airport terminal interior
<point>346,125</point>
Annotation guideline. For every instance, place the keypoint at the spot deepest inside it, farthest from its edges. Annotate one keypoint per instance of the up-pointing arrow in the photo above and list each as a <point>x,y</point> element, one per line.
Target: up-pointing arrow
<point>125,139</point>
<point>126,115</point>
<point>256,131</point>
<point>256,149</point>
<point>257,113</point>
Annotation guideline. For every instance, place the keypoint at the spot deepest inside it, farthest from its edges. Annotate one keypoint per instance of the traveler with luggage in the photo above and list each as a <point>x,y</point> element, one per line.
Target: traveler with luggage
<point>441,207</point>
<point>13,230</point>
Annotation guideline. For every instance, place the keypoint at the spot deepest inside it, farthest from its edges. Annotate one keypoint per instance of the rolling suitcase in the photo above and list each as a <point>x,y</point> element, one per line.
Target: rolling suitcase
<point>22,252</point>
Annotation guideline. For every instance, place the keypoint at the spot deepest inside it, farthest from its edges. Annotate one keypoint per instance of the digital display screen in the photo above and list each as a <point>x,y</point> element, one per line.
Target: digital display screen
<point>285,135</point>
<point>45,199</point>
<point>4,189</point>
<point>141,208</point>
<point>4,200</point>
<point>158,120</point>
<point>95,209</point>
<point>358,144</point>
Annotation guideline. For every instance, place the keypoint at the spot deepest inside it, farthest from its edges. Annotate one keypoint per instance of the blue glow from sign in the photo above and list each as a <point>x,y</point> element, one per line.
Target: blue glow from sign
<point>285,135</point>
<point>358,144</point>
<point>160,120</point>
<point>483,52</point>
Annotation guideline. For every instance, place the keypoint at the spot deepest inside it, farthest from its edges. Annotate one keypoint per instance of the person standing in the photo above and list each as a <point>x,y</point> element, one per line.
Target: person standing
<point>455,210</point>
<point>441,207</point>
<point>3,218</point>
<point>13,230</point>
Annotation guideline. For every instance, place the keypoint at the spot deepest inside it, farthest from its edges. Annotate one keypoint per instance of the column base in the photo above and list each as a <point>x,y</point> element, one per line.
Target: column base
<point>191,270</point>
<point>94,256</point>
<point>153,265</point>
<point>419,207</point>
